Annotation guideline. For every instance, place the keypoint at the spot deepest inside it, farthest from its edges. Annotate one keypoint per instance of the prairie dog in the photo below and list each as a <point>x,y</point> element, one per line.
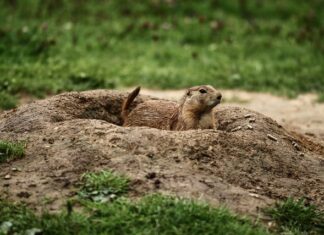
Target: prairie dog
<point>194,110</point>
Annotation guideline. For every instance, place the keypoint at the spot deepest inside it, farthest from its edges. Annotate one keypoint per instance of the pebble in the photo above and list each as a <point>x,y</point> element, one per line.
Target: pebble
<point>7,177</point>
<point>297,147</point>
<point>15,169</point>
<point>271,137</point>
<point>248,115</point>
<point>254,195</point>
<point>252,120</point>
<point>236,129</point>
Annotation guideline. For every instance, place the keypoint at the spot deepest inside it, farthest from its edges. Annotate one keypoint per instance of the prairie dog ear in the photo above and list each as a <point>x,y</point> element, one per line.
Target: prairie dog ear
<point>188,92</point>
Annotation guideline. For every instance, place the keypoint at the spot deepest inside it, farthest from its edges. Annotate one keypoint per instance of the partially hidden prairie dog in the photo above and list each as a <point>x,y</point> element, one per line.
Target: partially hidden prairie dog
<point>194,110</point>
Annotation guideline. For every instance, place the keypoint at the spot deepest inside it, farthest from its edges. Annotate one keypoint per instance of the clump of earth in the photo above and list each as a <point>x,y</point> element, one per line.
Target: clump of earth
<point>247,163</point>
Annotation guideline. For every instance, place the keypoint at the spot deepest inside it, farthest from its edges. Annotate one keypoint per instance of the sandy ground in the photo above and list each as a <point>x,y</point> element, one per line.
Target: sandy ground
<point>303,114</point>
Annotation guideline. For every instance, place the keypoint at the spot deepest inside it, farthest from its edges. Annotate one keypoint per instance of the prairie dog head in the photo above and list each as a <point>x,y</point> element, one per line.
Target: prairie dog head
<point>201,99</point>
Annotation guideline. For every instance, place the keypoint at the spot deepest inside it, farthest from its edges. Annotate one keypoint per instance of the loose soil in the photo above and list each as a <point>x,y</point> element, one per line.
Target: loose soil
<point>247,163</point>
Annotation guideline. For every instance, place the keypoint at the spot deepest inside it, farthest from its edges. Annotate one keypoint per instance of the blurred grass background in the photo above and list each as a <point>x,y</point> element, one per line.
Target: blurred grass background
<point>47,47</point>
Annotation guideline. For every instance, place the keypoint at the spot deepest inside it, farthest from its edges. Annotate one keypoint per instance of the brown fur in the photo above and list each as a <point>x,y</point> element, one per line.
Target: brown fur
<point>194,111</point>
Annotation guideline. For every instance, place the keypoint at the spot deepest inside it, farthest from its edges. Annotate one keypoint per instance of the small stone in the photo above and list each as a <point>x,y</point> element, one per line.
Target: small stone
<point>296,146</point>
<point>254,195</point>
<point>236,129</point>
<point>250,127</point>
<point>252,120</point>
<point>302,154</point>
<point>271,137</point>
<point>7,177</point>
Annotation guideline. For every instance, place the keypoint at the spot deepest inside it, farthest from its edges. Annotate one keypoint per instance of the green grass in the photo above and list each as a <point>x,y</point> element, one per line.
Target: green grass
<point>151,215</point>
<point>10,151</point>
<point>7,101</point>
<point>297,217</point>
<point>321,97</point>
<point>103,186</point>
<point>47,47</point>
<point>154,214</point>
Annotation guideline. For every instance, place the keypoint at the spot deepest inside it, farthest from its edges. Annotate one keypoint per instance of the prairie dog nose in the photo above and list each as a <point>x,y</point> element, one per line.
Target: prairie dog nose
<point>219,96</point>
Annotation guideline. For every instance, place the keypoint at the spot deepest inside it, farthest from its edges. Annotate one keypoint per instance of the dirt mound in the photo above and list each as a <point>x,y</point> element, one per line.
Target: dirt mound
<point>247,163</point>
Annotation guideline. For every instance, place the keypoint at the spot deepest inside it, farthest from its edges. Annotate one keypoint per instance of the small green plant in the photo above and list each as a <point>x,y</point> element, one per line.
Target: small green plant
<point>10,151</point>
<point>103,186</point>
<point>297,217</point>
<point>7,101</point>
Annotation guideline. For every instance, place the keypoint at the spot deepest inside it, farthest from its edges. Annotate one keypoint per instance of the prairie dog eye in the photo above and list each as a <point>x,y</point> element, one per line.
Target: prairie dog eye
<point>202,91</point>
<point>188,93</point>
